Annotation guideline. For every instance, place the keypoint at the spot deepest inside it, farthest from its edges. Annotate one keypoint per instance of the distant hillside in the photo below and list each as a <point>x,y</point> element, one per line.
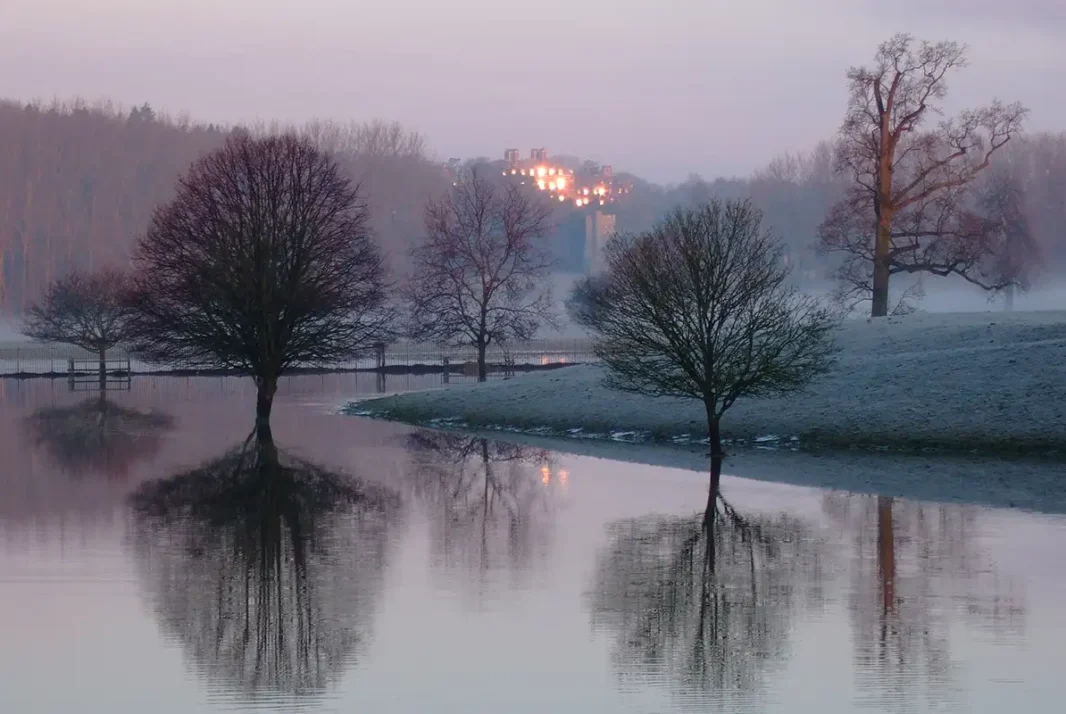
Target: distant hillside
<point>78,183</point>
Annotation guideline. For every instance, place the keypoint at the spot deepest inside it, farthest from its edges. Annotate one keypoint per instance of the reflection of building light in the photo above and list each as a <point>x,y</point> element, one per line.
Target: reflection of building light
<point>545,475</point>
<point>601,201</point>
<point>563,476</point>
<point>512,172</point>
<point>586,192</point>
<point>540,184</point>
<point>562,198</point>
<point>561,183</point>
<point>523,172</point>
<point>577,201</point>
<point>551,185</point>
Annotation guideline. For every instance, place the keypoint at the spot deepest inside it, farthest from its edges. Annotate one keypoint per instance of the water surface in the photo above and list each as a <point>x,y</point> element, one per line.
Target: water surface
<point>143,569</point>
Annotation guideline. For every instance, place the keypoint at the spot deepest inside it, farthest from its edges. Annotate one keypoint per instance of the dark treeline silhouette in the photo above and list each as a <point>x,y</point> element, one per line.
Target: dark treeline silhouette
<point>265,568</point>
<point>79,183</point>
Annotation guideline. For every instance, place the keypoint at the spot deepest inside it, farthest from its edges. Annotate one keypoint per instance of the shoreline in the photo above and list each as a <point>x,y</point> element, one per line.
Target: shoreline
<point>416,369</point>
<point>1032,485</point>
<point>973,384</point>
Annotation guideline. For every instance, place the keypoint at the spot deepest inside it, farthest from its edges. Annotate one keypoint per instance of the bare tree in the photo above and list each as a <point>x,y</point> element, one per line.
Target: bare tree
<point>262,262</point>
<point>1014,250</point>
<point>480,278</point>
<point>87,310</point>
<point>908,210</point>
<point>700,308</point>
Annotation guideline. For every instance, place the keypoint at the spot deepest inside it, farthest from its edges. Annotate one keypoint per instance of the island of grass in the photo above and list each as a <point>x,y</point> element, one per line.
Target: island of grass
<point>985,383</point>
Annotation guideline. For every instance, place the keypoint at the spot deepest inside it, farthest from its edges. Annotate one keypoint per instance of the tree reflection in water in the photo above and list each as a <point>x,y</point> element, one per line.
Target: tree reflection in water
<point>97,436</point>
<point>915,568</point>
<point>707,602</point>
<point>488,505</point>
<point>267,569</point>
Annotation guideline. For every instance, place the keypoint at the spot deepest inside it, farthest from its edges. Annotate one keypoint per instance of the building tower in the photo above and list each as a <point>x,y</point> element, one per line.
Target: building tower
<point>599,228</point>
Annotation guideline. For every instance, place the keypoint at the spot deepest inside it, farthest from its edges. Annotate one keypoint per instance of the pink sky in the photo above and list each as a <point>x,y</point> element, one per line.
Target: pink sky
<point>660,88</point>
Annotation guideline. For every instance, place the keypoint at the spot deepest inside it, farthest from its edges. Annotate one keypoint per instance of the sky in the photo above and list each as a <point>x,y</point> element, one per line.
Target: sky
<point>658,87</point>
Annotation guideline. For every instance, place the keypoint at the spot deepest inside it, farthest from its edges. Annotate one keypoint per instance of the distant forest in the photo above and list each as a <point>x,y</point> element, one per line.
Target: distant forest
<point>79,182</point>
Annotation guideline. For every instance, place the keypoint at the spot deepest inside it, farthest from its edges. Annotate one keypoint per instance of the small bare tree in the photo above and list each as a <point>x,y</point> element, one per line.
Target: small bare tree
<point>1014,252</point>
<point>909,209</point>
<point>699,307</point>
<point>87,310</point>
<point>481,277</point>
<point>262,262</point>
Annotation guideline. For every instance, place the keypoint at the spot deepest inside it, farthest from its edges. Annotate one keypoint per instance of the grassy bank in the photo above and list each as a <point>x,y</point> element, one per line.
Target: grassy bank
<point>973,382</point>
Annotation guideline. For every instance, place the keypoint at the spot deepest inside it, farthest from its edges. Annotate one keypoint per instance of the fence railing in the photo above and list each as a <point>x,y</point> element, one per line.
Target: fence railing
<point>84,374</point>
<point>29,359</point>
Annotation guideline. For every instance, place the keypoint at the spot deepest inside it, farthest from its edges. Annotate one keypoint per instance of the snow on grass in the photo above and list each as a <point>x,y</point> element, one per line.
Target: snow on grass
<point>982,382</point>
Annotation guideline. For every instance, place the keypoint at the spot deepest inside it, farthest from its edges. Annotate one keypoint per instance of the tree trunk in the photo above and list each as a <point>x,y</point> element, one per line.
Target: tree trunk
<point>713,431</point>
<point>482,367</point>
<point>264,402</point>
<point>882,263</point>
<point>487,463</point>
<point>886,554</point>
<point>714,487</point>
<point>103,370</point>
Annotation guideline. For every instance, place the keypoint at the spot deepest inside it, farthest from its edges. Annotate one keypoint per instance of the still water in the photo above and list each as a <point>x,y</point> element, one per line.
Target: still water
<point>143,567</point>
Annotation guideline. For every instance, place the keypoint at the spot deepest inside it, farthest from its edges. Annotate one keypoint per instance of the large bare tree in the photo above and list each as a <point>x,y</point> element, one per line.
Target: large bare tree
<point>481,276</point>
<point>909,209</point>
<point>262,262</point>
<point>87,310</point>
<point>700,307</point>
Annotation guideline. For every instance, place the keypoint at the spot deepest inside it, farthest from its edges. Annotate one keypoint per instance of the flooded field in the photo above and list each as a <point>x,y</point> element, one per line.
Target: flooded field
<point>384,569</point>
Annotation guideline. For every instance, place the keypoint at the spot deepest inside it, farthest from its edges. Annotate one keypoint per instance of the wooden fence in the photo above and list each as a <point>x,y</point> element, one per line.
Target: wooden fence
<point>30,359</point>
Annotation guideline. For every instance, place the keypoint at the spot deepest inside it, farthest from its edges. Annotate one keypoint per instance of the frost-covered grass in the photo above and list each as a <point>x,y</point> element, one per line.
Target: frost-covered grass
<point>981,382</point>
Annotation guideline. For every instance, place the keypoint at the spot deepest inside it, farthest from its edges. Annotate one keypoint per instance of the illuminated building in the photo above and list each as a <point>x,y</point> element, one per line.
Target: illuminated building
<point>588,187</point>
<point>589,192</point>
